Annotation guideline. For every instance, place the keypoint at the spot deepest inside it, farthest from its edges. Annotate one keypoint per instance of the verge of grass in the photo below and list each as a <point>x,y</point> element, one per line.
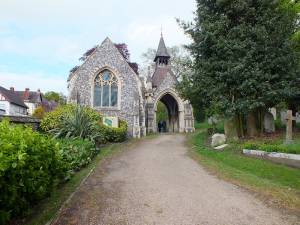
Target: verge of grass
<point>46,210</point>
<point>276,184</point>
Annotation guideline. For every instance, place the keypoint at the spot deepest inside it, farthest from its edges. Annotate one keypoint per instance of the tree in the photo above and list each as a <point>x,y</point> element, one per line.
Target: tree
<point>244,58</point>
<point>59,98</point>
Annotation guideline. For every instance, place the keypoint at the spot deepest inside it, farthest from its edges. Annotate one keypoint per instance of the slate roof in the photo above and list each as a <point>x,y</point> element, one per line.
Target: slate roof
<point>161,50</point>
<point>30,96</point>
<point>159,75</point>
<point>12,97</point>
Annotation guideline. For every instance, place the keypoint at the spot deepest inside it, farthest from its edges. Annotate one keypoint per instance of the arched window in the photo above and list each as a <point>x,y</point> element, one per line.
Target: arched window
<point>106,89</point>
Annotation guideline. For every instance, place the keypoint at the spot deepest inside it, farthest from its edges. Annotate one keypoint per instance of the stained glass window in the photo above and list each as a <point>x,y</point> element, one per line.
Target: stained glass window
<point>106,89</point>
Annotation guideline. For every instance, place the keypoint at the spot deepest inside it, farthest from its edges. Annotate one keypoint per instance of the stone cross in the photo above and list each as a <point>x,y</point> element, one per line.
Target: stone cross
<point>289,126</point>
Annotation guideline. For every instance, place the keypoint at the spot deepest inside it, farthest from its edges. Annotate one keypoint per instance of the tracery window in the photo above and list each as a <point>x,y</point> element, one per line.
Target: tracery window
<point>106,89</point>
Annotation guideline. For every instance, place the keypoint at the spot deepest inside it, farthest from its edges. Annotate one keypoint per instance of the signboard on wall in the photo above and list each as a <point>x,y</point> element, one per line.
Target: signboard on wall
<point>111,121</point>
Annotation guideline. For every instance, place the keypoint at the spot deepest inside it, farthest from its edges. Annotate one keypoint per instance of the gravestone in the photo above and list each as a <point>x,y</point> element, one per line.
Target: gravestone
<point>269,125</point>
<point>218,139</point>
<point>289,126</point>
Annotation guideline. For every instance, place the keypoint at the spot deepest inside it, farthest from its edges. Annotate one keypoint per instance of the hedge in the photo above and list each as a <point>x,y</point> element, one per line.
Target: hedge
<point>76,153</point>
<point>30,165</point>
<point>293,148</point>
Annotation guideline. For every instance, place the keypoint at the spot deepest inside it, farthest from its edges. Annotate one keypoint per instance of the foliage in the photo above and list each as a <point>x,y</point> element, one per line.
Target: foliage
<point>273,147</point>
<point>53,119</point>
<point>39,112</point>
<point>123,49</point>
<point>30,165</point>
<point>110,134</point>
<point>77,124</point>
<point>57,97</point>
<point>82,122</point>
<point>162,112</point>
<point>244,58</point>
<point>76,153</point>
<point>86,54</point>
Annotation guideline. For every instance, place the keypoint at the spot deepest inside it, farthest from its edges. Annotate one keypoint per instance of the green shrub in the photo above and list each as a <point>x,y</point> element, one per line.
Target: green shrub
<point>293,148</point>
<point>109,134</point>
<point>279,125</point>
<point>39,112</point>
<point>77,153</point>
<point>54,118</point>
<point>30,165</point>
<point>77,124</point>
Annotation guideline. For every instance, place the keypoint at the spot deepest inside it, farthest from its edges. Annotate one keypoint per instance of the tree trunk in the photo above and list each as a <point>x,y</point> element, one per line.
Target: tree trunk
<point>231,128</point>
<point>261,114</point>
<point>241,126</point>
<point>252,130</point>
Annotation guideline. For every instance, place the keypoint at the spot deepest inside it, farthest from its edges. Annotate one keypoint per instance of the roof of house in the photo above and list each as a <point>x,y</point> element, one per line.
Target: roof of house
<point>12,97</point>
<point>161,50</point>
<point>30,96</point>
<point>159,75</point>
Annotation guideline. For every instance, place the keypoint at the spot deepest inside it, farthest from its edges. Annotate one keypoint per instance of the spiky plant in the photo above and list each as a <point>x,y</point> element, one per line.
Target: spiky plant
<point>77,124</point>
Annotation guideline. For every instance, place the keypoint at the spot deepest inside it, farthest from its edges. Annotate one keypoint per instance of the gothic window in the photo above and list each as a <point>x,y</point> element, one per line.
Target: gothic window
<point>106,89</point>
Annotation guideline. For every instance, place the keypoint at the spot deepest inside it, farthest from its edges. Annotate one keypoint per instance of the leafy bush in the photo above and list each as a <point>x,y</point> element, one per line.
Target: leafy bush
<point>54,118</point>
<point>82,122</point>
<point>77,153</point>
<point>77,124</point>
<point>39,112</point>
<point>279,125</point>
<point>30,165</point>
<point>273,147</point>
<point>109,134</point>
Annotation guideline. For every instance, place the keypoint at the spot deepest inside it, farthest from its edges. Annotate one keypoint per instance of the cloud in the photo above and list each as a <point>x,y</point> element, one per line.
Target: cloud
<point>34,81</point>
<point>145,34</point>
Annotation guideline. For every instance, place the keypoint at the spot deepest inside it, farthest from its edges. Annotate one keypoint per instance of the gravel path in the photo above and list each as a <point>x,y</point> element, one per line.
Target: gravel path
<point>155,182</point>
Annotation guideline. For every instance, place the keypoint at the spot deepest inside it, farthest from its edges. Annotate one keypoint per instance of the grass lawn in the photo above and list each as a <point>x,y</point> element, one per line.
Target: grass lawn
<point>48,208</point>
<point>276,184</point>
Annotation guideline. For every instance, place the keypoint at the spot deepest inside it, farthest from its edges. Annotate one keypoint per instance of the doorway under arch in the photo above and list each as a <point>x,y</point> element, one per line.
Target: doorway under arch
<point>172,120</point>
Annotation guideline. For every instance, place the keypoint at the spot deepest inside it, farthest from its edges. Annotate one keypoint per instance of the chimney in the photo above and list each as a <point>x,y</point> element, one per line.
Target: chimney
<point>12,88</point>
<point>26,94</point>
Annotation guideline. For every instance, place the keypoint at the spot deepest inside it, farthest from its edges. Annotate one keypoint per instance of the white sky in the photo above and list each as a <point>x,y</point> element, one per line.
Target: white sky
<point>41,40</point>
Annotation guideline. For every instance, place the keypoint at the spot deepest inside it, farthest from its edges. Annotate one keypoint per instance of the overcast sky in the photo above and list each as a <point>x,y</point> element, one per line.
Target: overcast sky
<point>41,40</point>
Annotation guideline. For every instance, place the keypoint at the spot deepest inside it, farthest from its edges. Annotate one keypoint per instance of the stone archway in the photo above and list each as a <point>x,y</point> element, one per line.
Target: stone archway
<point>174,107</point>
<point>172,123</point>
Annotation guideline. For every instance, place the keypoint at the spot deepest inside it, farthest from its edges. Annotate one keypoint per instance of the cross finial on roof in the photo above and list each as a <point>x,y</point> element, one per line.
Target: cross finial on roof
<point>161,31</point>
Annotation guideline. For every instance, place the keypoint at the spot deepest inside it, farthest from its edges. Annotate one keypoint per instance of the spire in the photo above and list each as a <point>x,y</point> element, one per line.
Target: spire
<point>162,52</point>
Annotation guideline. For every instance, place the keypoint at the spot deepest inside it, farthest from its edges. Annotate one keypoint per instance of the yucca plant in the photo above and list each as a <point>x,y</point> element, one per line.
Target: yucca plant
<point>77,124</point>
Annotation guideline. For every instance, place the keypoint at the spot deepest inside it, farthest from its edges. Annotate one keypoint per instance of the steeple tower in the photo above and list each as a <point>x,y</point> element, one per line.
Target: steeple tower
<point>162,56</point>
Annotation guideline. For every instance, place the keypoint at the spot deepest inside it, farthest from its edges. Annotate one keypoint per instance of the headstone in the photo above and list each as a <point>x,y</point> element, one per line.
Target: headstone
<point>274,112</point>
<point>218,139</point>
<point>289,126</point>
<point>283,117</point>
<point>269,125</point>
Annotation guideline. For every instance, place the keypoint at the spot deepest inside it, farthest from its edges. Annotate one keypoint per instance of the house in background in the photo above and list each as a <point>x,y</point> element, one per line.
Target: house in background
<point>32,99</point>
<point>11,103</point>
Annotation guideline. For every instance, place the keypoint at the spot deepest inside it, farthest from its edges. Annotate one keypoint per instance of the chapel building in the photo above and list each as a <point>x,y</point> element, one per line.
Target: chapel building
<point>108,83</point>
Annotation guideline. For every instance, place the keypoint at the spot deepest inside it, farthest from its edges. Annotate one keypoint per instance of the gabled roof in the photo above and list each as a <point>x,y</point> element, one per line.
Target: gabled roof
<point>161,50</point>
<point>160,74</point>
<point>30,96</point>
<point>12,97</point>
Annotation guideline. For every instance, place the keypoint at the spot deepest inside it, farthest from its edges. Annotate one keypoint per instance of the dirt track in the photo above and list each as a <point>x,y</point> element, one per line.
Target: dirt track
<point>155,182</point>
